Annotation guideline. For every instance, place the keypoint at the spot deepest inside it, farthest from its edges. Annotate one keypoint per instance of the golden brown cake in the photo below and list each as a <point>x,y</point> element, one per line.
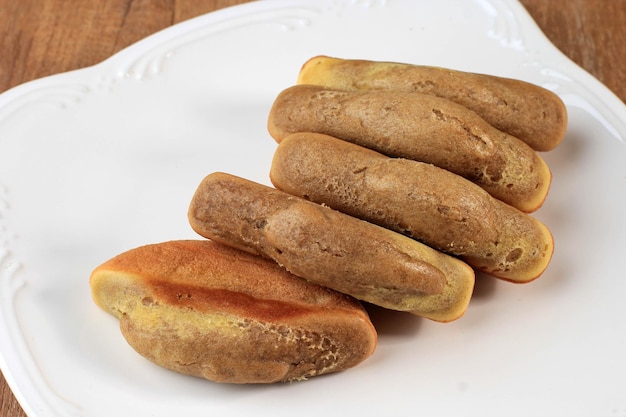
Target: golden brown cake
<point>331,248</point>
<point>524,110</point>
<point>421,127</point>
<point>212,311</point>
<point>427,203</point>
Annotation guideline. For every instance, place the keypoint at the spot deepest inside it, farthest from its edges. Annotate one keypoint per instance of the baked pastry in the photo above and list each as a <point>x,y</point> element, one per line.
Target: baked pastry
<point>212,311</point>
<point>421,127</point>
<point>524,110</point>
<point>331,248</point>
<point>427,203</point>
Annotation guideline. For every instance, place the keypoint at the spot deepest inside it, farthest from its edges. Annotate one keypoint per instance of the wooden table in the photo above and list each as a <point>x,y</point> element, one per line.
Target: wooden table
<point>44,37</point>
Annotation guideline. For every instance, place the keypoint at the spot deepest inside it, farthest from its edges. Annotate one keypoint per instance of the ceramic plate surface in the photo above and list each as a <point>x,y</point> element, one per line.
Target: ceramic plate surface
<point>101,160</point>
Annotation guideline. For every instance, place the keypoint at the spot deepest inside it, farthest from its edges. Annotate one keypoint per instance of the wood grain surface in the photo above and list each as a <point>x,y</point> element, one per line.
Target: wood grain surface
<point>45,37</point>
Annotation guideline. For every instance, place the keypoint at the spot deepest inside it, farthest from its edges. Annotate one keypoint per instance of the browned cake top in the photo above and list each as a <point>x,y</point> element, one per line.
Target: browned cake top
<point>182,274</point>
<point>211,311</point>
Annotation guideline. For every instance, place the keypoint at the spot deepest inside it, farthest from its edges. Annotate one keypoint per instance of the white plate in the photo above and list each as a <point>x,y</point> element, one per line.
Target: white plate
<point>97,161</point>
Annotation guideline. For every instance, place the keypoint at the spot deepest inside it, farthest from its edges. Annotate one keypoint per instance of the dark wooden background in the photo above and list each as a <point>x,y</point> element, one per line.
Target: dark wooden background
<point>45,37</point>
